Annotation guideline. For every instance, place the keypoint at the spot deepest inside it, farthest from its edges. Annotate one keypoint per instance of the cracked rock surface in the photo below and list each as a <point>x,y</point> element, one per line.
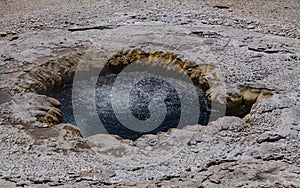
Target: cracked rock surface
<point>253,44</point>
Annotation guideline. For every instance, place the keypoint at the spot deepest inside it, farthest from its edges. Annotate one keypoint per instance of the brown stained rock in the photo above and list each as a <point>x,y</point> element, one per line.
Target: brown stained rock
<point>264,94</point>
<point>248,96</point>
<point>166,61</point>
<point>187,65</point>
<point>54,102</point>
<point>195,75</point>
<point>168,58</point>
<point>154,56</point>
<point>28,107</point>
<point>234,102</point>
<point>50,74</point>
<point>4,97</point>
<point>73,130</point>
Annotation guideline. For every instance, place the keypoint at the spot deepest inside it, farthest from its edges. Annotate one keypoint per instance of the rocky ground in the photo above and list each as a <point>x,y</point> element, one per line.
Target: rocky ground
<point>252,43</point>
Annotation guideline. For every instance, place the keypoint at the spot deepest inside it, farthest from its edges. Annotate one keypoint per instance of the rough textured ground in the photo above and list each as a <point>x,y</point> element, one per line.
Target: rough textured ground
<point>251,42</point>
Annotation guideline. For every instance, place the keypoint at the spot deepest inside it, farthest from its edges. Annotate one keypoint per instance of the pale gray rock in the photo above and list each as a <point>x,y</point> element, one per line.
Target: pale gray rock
<point>262,51</point>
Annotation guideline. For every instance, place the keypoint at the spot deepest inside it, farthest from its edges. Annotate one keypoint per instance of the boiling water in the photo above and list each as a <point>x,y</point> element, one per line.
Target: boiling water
<point>150,98</point>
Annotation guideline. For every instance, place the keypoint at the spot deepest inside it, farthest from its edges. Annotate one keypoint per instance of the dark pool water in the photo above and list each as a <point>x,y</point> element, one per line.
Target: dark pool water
<point>141,106</point>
